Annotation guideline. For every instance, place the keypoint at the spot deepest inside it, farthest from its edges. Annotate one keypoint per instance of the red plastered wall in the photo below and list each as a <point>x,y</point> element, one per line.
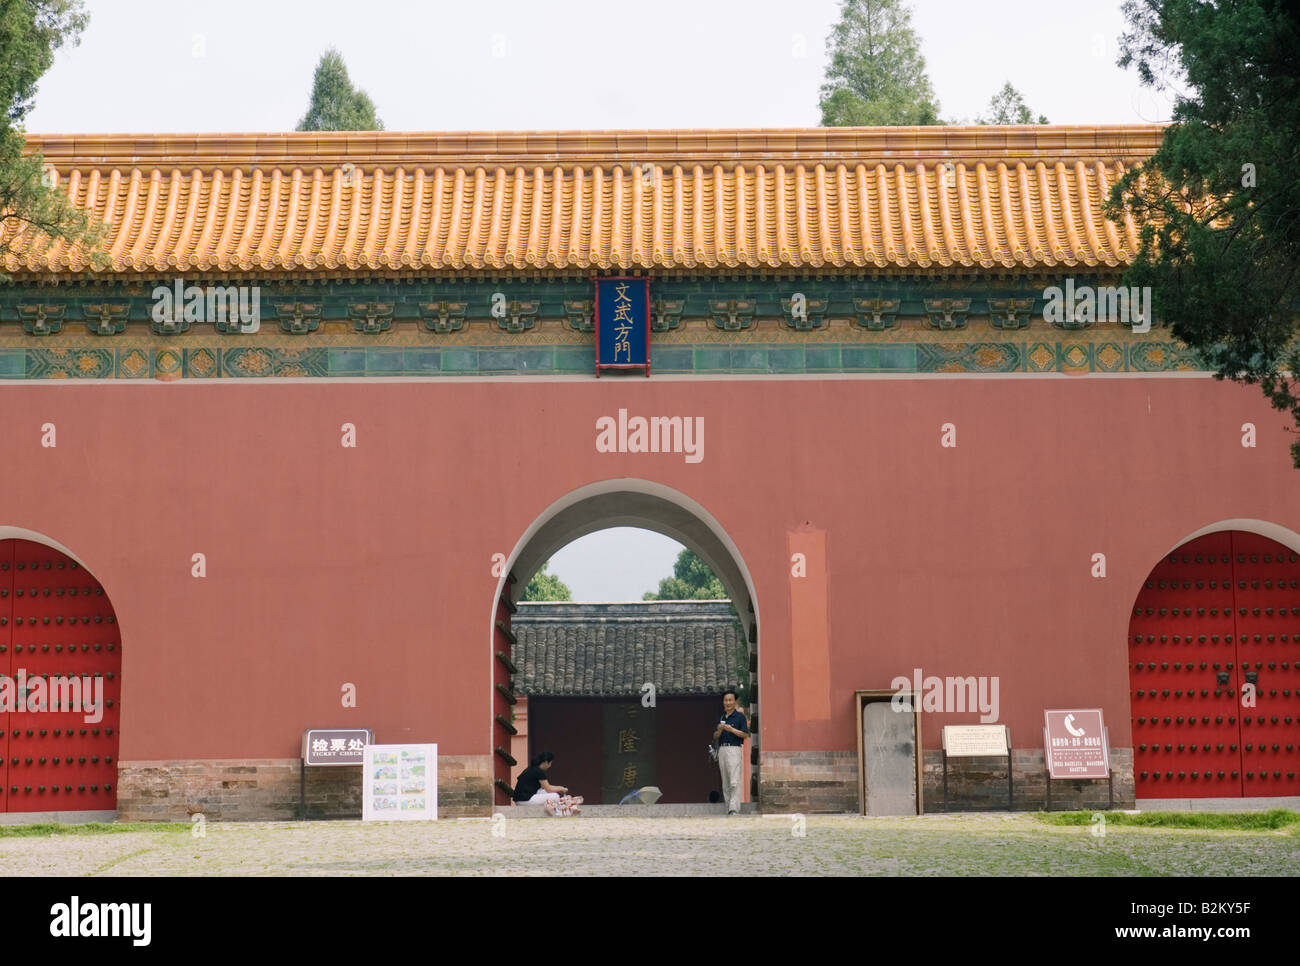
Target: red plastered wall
<point>372,566</point>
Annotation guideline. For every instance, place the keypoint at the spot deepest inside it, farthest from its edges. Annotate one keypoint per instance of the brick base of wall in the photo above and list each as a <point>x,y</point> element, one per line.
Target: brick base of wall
<point>981,783</point>
<point>267,789</point>
<point>808,781</point>
<point>827,781</point>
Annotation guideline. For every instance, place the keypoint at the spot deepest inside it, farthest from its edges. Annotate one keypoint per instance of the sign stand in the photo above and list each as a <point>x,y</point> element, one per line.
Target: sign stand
<point>1110,777</point>
<point>1076,746</point>
<point>978,741</point>
<point>329,746</point>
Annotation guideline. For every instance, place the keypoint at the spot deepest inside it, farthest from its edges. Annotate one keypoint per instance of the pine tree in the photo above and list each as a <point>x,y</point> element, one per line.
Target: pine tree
<point>876,74</point>
<point>30,32</point>
<point>335,104</point>
<point>1008,107</point>
<point>1218,204</point>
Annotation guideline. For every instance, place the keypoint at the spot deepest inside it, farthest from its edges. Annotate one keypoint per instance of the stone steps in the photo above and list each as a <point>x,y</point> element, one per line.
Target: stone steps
<point>658,810</point>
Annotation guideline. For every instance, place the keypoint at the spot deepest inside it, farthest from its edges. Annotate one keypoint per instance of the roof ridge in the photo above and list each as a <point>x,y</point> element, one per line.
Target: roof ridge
<point>595,146</point>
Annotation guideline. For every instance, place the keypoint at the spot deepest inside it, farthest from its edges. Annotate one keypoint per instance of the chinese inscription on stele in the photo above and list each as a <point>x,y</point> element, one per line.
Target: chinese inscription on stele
<point>629,750</point>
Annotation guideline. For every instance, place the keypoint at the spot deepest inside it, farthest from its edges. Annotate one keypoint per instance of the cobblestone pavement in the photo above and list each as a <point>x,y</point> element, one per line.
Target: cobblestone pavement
<point>965,845</point>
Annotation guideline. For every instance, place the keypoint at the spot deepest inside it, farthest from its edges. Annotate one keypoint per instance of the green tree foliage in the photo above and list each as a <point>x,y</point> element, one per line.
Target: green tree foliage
<point>30,33</point>
<point>1218,205</point>
<point>335,104</point>
<point>876,74</point>
<point>691,580</point>
<point>1008,107</point>
<point>544,586</point>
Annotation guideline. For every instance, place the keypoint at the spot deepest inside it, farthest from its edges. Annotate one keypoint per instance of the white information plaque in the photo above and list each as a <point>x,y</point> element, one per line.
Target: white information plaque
<point>971,741</point>
<point>399,783</point>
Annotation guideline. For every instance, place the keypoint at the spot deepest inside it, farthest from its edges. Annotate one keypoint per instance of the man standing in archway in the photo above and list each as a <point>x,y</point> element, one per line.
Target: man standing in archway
<point>730,734</point>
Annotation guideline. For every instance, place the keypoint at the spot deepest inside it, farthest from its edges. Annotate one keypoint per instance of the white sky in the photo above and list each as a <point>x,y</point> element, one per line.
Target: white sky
<point>246,65</point>
<point>620,563</point>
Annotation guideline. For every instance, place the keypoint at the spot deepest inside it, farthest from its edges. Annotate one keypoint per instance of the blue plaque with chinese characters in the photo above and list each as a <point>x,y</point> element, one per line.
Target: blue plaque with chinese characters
<point>623,324</point>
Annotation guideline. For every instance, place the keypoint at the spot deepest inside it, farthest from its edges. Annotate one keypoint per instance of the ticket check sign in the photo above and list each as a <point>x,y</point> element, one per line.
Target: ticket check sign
<point>1076,744</point>
<point>336,746</point>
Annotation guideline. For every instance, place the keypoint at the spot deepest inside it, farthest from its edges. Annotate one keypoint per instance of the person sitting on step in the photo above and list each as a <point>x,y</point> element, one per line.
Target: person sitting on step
<point>532,788</point>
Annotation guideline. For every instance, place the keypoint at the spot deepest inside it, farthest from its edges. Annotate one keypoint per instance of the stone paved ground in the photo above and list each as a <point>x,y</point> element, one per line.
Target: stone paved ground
<point>987,844</point>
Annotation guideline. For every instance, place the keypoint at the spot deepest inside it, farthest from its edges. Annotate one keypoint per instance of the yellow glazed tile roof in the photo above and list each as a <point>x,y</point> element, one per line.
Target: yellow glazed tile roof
<point>920,199</point>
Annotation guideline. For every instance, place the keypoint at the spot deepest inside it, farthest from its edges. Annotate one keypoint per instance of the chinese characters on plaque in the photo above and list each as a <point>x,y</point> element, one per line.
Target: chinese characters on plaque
<point>976,741</point>
<point>336,746</point>
<point>1076,744</point>
<point>628,755</point>
<point>622,324</point>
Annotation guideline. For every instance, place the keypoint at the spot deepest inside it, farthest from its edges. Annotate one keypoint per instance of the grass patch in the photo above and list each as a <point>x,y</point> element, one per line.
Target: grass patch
<point>1233,821</point>
<point>88,828</point>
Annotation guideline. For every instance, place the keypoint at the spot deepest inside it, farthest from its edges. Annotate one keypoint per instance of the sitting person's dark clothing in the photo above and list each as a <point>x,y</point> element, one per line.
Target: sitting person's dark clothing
<point>529,783</point>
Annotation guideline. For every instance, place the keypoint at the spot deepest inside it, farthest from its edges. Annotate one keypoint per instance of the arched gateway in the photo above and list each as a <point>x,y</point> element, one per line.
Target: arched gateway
<point>328,389</point>
<point>617,503</point>
<point>60,683</point>
<point>1215,670</point>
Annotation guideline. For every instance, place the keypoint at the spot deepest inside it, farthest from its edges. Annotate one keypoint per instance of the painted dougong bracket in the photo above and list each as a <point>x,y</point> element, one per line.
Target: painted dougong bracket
<point>666,314</point>
<point>732,315</point>
<point>443,317</point>
<point>947,314</point>
<point>1010,313</point>
<point>44,319</point>
<point>371,318</point>
<point>520,316</point>
<point>877,314</point>
<point>106,318</point>
<point>298,318</point>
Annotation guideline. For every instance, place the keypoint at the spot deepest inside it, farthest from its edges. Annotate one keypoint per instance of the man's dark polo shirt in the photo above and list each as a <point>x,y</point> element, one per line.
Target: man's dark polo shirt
<point>737,720</point>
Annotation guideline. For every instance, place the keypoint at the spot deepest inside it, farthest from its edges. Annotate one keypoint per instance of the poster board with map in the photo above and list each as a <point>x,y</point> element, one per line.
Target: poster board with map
<point>399,783</point>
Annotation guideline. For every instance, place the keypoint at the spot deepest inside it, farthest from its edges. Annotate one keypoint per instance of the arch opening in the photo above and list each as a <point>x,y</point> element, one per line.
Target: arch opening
<point>1214,666</point>
<point>617,645</point>
<point>60,682</point>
